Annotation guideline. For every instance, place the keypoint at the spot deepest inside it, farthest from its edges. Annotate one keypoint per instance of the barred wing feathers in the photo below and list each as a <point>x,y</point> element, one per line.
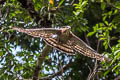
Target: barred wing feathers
<point>79,46</point>
<point>59,46</point>
<point>42,32</point>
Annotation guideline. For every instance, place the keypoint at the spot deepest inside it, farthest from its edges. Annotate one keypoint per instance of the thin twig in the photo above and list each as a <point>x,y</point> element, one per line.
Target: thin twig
<point>98,44</point>
<point>89,73</point>
<point>86,39</point>
<point>109,44</point>
<point>91,76</point>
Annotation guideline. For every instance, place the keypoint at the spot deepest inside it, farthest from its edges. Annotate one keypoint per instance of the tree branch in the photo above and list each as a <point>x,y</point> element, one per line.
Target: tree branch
<point>57,73</point>
<point>91,75</point>
<point>41,58</point>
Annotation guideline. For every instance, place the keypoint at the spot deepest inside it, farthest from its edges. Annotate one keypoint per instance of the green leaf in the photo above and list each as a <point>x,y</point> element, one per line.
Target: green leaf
<point>1,53</point>
<point>110,12</point>
<point>103,6</point>
<point>104,18</point>
<point>119,41</point>
<point>61,2</point>
<point>101,0</point>
<point>102,38</point>
<point>90,34</point>
<point>106,22</point>
<point>117,53</point>
<point>116,66</point>
<point>115,12</point>
<point>117,71</point>
<point>97,35</point>
<point>117,5</point>
<point>84,3</point>
<point>106,72</point>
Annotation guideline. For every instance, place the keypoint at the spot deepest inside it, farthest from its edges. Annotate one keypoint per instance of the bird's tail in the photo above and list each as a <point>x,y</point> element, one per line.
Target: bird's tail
<point>20,29</point>
<point>30,32</point>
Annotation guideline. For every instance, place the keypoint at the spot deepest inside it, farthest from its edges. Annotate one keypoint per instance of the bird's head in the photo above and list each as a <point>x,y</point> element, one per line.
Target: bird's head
<point>66,30</point>
<point>68,27</point>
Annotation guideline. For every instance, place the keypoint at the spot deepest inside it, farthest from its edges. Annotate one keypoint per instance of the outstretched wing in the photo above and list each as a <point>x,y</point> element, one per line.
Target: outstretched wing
<point>59,46</point>
<point>40,32</point>
<point>81,47</point>
<point>49,35</point>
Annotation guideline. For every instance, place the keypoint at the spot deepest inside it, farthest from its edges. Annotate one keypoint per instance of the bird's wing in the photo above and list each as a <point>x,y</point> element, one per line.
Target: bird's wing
<point>81,47</point>
<point>47,35</point>
<point>59,46</point>
<point>40,32</point>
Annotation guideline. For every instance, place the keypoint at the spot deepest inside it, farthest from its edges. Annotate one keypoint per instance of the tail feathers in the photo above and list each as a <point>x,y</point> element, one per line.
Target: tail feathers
<point>19,29</point>
<point>29,32</point>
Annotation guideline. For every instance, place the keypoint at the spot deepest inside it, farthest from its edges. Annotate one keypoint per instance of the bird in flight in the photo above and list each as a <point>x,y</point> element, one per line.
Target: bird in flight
<point>64,40</point>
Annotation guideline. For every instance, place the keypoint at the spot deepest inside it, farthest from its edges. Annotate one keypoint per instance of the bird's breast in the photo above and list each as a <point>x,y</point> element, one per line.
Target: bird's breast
<point>64,38</point>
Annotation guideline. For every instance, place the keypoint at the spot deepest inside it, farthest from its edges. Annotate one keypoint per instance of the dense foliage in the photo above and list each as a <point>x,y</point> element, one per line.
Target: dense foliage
<point>95,21</point>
